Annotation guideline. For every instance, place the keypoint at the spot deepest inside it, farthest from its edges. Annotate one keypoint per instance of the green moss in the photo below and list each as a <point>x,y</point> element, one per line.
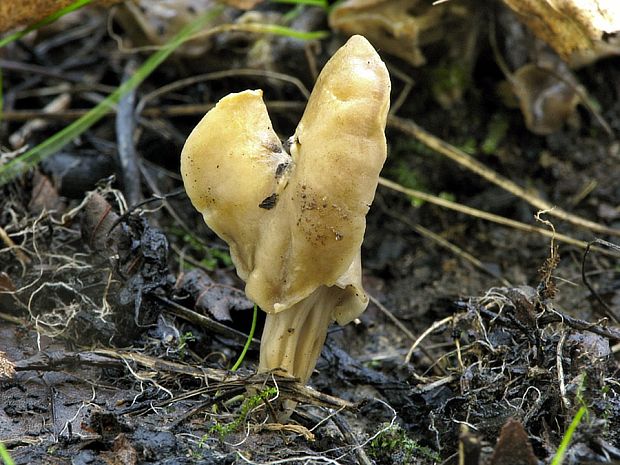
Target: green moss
<point>496,131</point>
<point>449,82</point>
<point>212,257</point>
<point>224,429</point>
<point>183,340</point>
<point>393,446</point>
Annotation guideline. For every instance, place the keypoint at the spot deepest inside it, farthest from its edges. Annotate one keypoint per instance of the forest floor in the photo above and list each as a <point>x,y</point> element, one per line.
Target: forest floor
<point>121,313</point>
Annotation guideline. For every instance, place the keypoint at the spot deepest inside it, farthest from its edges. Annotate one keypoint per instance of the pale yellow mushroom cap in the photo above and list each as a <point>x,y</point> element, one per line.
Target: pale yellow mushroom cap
<point>234,168</point>
<point>229,165</point>
<point>295,223</point>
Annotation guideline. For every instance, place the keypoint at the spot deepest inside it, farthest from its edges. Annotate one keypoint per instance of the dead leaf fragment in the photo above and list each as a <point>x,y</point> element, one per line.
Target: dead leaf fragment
<point>6,283</point>
<point>217,299</point>
<point>98,224</point>
<point>547,100</point>
<point>580,31</point>
<point>7,368</point>
<point>123,452</point>
<point>16,13</point>
<point>399,27</point>
<point>513,446</point>
<point>44,195</point>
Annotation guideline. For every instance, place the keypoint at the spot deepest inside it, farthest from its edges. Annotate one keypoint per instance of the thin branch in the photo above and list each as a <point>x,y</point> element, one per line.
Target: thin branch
<point>410,128</point>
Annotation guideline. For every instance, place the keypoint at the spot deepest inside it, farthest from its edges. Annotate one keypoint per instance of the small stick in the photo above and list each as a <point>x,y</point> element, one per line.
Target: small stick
<point>484,215</point>
<point>432,328</point>
<point>279,106</point>
<point>560,370</point>
<point>410,128</point>
<point>208,323</point>
<point>442,242</point>
<point>345,429</point>
<point>21,256</point>
<point>125,128</point>
<point>405,330</point>
<point>19,138</point>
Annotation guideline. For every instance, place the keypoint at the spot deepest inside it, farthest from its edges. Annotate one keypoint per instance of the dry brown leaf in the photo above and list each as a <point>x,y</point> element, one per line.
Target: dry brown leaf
<point>18,13</point>
<point>398,27</point>
<point>513,446</point>
<point>547,99</point>
<point>580,31</point>
<point>44,195</point>
<point>217,299</point>
<point>6,283</point>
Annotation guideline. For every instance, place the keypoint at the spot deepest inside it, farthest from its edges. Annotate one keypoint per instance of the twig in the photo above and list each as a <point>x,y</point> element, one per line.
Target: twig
<point>345,429</point>
<point>227,379</point>
<point>125,128</point>
<point>609,313</point>
<point>206,322</point>
<point>404,329</point>
<point>432,328</point>
<point>410,128</point>
<point>560,369</point>
<point>482,214</point>
<point>63,75</point>
<point>19,138</point>
<point>220,75</point>
<point>556,316</point>
<point>21,256</point>
<point>280,106</point>
<point>442,242</point>
<point>392,318</point>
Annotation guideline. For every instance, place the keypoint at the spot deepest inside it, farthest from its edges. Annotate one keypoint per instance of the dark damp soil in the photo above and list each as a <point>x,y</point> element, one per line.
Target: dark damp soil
<point>121,313</point>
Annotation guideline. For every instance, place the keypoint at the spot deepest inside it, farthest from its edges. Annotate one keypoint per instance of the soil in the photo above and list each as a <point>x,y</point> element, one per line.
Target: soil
<point>121,314</point>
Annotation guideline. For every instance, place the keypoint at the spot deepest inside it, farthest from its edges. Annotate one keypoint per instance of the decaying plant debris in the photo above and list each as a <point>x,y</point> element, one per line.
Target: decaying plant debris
<point>121,314</point>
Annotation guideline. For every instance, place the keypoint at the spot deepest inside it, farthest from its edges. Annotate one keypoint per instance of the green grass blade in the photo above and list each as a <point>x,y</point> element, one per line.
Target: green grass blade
<point>45,21</point>
<point>4,455</point>
<point>561,452</point>
<point>1,97</point>
<point>248,342</point>
<point>321,3</point>
<point>274,29</point>
<point>56,142</point>
<point>289,32</point>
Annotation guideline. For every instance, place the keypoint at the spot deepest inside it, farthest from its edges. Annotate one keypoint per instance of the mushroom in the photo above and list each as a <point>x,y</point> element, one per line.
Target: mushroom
<point>295,222</point>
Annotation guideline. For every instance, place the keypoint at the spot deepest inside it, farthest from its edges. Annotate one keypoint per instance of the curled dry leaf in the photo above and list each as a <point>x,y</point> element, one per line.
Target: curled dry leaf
<point>547,100</point>
<point>580,31</point>
<point>398,27</point>
<point>98,225</point>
